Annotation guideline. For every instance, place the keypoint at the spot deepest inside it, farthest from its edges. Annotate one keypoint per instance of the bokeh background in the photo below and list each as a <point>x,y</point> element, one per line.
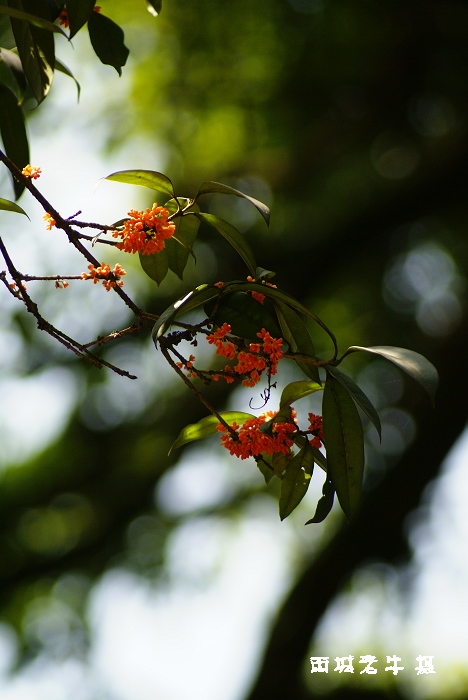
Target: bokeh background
<point>126,574</point>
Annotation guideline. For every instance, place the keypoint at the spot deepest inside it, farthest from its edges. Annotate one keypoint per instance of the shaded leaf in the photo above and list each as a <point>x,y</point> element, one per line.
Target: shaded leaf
<point>264,467</point>
<point>107,39</point>
<point>325,503</point>
<point>62,68</point>
<point>196,297</point>
<point>297,336</point>
<point>244,314</point>
<point>78,14</point>
<point>359,397</point>
<point>233,236</point>
<point>154,7</point>
<point>13,133</point>
<point>180,246</point>
<point>34,43</point>
<point>16,13</point>
<point>208,426</point>
<point>12,60</point>
<point>297,390</point>
<point>296,481</point>
<point>409,361</point>
<point>144,178</point>
<point>344,443</point>
<point>6,205</point>
<point>280,461</point>
<point>155,265</point>
<point>218,188</point>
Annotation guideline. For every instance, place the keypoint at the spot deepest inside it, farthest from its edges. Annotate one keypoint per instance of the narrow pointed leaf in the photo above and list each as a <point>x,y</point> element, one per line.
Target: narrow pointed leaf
<point>144,178</point>
<point>155,265</point>
<point>233,236</point>
<point>409,361</point>
<point>13,133</point>
<point>296,481</point>
<point>78,14</point>
<point>297,336</point>
<point>297,390</point>
<point>218,188</point>
<point>6,205</point>
<point>280,461</point>
<point>154,7</point>
<point>180,246</point>
<point>107,40</point>
<point>244,314</point>
<point>31,18</point>
<point>344,443</point>
<point>196,297</point>
<point>208,426</point>
<point>34,43</point>
<point>12,60</point>
<point>325,503</point>
<point>62,68</point>
<point>359,397</point>
<point>265,468</point>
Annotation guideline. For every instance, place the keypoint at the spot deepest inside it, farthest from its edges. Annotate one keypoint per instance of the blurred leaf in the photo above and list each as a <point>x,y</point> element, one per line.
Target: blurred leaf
<point>155,265</point>
<point>218,188</point>
<point>359,397</point>
<point>298,338</point>
<point>297,390</point>
<point>409,361</point>
<point>154,7</point>
<point>325,503</point>
<point>78,14</point>
<point>12,60</point>
<point>143,178</point>
<point>262,274</point>
<point>35,44</point>
<point>62,68</point>
<point>31,18</point>
<point>244,314</point>
<point>208,426</point>
<point>107,39</point>
<point>6,205</point>
<point>344,443</point>
<point>180,246</point>
<point>233,236</point>
<point>196,297</point>
<point>296,481</point>
<point>13,133</point>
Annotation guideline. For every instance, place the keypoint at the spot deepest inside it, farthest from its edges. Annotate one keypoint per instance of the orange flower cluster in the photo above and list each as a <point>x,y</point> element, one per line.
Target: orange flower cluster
<point>251,363</point>
<point>63,17</point>
<point>31,171</point>
<point>252,442</point>
<point>188,366</point>
<point>103,272</point>
<point>316,427</point>
<point>145,232</point>
<point>50,221</point>
<point>258,296</point>
<point>61,284</point>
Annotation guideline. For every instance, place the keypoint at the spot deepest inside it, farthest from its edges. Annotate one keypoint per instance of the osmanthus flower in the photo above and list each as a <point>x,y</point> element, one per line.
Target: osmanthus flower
<point>188,366</point>
<point>252,442</point>
<point>316,427</point>
<point>110,278</point>
<point>50,221</point>
<point>145,232</point>
<point>31,171</point>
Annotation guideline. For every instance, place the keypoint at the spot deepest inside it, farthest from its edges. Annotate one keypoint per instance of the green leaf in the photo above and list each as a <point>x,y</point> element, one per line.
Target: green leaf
<point>155,265</point>
<point>264,467</point>
<point>245,315</point>
<point>107,39</point>
<point>233,236</point>
<point>6,205</point>
<point>409,361</point>
<point>218,188</point>
<point>196,297</point>
<point>262,274</point>
<point>284,415</point>
<point>144,178</point>
<point>359,397</point>
<point>78,14</point>
<point>344,443</point>
<point>180,246</point>
<point>297,390</point>
<point>154,7</point>
<point>296,481</point>
<point>325,503</point>
<point>35,43</point>
<point>13,133</point>
<point>31,18</point>
<point>278,295</point>
<point>66,71</point>
<point>208,426</point>
<point>280,462</point>
<point>297,336</point>
<point>12,60</point>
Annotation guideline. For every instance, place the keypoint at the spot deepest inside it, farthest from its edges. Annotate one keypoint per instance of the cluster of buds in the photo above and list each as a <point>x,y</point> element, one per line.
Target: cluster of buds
<point>252,363</point>
<point>258,295</point>
<point>145,232</point>
<point>50,221</point>
<point>31,172</point>
<point>110,278</point>
<point>252,441</point>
